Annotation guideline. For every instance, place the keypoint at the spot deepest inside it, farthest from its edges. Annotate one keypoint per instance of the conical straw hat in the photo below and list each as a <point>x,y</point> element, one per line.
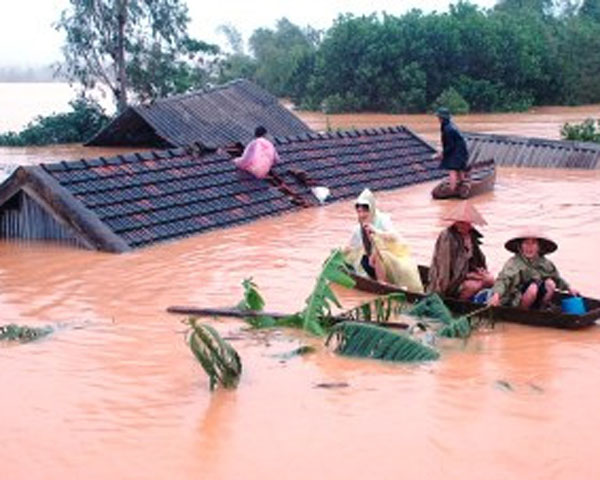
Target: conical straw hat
<point>465,212</point>
<point>546,244</point>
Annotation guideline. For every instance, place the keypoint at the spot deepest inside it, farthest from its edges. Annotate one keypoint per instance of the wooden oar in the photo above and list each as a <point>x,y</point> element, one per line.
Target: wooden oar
<point>237,313</point>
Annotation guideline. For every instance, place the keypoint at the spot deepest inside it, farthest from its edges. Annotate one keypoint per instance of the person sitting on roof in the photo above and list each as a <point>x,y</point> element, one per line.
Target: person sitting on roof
<point>259,155</point>
<point>454,155</point>
<point>377,251</point>
<point>528,279</point>
<point>458,267</point>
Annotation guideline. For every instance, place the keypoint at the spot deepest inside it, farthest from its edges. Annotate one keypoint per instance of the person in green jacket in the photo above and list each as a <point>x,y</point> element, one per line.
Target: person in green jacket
<point>528,279</point>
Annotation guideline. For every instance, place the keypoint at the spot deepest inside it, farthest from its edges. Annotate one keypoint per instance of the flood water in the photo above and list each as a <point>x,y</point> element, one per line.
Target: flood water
<point>115,392</point>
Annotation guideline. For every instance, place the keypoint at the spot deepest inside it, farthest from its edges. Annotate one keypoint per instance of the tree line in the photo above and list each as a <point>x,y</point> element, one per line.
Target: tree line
<point>518,54</point>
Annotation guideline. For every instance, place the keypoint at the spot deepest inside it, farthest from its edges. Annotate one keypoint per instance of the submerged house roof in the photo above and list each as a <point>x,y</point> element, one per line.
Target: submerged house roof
<point>119,203</point>
<point>533,152</point>
<point>214,118</point>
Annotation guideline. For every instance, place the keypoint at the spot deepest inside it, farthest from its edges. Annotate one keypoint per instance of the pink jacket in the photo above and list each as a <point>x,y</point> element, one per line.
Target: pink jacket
<point>258,157</point>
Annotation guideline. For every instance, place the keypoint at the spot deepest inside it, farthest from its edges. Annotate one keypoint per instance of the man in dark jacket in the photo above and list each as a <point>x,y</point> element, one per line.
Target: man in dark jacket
<point>454,155</point>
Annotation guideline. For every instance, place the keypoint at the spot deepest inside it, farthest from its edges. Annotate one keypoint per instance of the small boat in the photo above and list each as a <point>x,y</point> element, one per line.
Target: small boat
<point>554,318</point>
<point>481,178</point>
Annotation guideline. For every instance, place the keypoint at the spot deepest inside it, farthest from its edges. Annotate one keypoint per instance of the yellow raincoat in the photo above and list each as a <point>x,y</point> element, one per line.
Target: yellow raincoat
<point>400,268</point>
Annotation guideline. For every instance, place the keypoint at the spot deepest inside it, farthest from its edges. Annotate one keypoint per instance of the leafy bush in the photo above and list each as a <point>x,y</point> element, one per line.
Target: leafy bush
<point>588,131</point>
<point>78,125</point>
<point>340,103</point>
<point>452,100</point>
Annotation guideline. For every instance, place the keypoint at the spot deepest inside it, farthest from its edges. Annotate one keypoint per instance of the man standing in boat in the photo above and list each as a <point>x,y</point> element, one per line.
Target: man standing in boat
<point>454,155</point>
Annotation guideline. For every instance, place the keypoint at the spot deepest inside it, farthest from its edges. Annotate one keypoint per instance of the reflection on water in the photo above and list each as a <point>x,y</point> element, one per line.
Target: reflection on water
<point>115,393</point>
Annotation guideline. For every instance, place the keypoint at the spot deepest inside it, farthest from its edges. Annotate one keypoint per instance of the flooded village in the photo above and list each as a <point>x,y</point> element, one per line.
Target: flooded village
<point>114,250</point>
<point>116,379</point>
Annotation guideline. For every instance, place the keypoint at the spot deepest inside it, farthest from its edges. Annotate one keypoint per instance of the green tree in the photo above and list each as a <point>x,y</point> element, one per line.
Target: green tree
<point>130,46</point>
<point>82,122</point>
<point>236,64</point>
<point>542,7</point>
<point>590,9</point>
<point>283,56</point>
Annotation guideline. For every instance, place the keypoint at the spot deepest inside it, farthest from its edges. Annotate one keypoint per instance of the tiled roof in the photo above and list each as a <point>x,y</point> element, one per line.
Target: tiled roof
<point>533,152</point>
<point>347,162</point>
<point>214,118</point>
<point>143,198</point>
<point>149,197</point>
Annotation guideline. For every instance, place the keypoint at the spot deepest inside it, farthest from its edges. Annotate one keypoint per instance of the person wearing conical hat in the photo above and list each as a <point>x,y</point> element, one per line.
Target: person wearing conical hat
<point>454,155</point>
<point>528,279</point>
<point>458,266</point>
<point>377,251</point>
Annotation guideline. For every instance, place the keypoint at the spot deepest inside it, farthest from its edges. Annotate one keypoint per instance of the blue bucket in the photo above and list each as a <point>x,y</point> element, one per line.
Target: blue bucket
<point>573,305</point>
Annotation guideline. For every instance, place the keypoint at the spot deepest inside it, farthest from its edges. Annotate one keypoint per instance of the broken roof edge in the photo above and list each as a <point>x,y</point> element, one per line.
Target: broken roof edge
<point>63,207</point>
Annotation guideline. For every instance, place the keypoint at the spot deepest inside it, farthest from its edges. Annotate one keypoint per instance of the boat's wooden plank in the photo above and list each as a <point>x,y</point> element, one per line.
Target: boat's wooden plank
<point>482,179</point>
<point>539,318</point>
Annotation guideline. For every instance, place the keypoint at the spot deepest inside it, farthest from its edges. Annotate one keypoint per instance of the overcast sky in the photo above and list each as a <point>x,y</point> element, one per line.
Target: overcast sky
<point>27,37</point>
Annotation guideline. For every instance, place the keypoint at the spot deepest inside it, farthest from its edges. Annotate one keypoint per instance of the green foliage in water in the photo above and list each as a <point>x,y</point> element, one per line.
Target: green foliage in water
<point>77,126</point>
<point>365,340</point>
<point>22,333</point>
<point>218,358</point>
<point>252,300</point>
<point>316,315</point>
<point>318,304</point>
<point>587,131</point>
<point>457,328</point>
<point>434,309</point>
<point>378,310</point>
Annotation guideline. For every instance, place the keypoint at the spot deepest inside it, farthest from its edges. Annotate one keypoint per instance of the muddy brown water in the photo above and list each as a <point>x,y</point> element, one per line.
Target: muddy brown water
<point>114,392</point>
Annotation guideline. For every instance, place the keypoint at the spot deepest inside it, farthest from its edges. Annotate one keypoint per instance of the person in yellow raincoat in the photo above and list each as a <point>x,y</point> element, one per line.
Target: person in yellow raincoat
<point>376,250</point>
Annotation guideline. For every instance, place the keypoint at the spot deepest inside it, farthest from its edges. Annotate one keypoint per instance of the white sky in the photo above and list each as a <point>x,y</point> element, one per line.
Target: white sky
<point>27,37</point>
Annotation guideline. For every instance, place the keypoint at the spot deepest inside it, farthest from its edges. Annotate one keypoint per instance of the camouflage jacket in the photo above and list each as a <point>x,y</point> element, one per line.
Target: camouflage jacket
<point>518,271</point>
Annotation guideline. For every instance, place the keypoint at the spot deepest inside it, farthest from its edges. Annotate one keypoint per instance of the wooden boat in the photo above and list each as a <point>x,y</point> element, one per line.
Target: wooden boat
<point>481,178</point>
<point>539,318</point>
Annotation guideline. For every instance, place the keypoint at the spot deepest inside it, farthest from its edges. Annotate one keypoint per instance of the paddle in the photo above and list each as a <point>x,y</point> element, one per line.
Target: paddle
<point>234,312</point>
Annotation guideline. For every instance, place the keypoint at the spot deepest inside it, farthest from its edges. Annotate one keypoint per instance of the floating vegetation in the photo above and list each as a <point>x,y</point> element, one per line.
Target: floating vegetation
<point>432,307</point>
<point>435,310</point>
<point>252,300</point>
<point>317,313</point>
<point>366,340</point>
<point>23,334</point>
<point>218,358</point>
<point>379,310</point>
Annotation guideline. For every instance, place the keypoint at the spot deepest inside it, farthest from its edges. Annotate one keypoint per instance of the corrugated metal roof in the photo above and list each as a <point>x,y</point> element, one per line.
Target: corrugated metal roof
<point>533,152</point>
<point>214,118</point>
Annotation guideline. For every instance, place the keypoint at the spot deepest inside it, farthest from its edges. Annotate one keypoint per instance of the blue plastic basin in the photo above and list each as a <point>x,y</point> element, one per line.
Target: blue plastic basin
<point>573,305</point>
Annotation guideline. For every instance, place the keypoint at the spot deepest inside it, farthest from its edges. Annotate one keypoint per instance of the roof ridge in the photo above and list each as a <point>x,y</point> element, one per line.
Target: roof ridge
<point>196,93</point>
